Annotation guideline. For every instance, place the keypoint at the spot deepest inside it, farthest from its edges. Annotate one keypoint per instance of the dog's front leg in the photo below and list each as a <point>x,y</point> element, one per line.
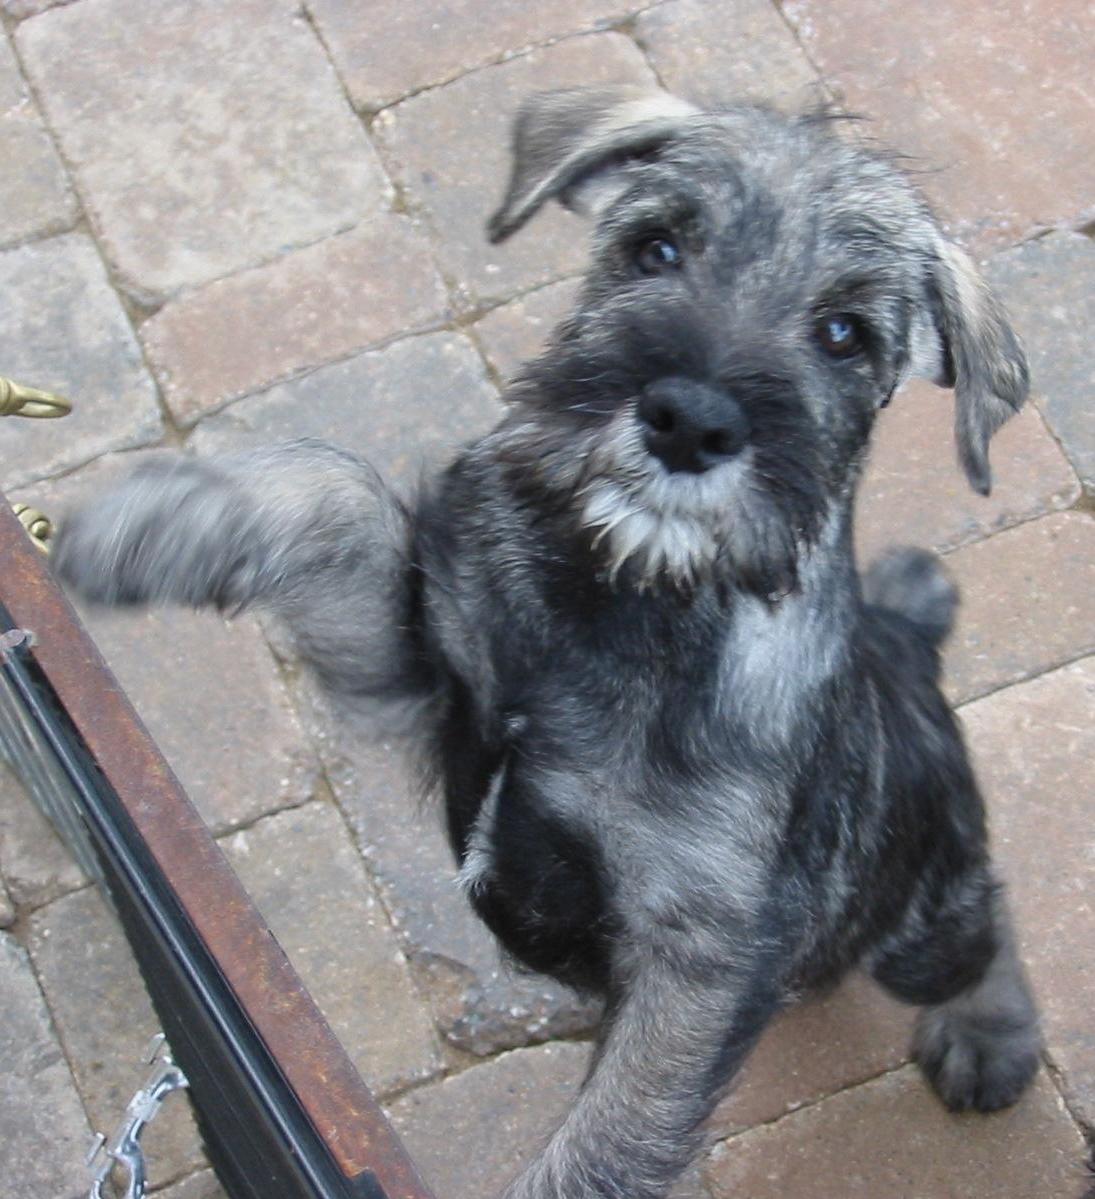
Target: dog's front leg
<point>302,530</point>
<point>672,1046</point>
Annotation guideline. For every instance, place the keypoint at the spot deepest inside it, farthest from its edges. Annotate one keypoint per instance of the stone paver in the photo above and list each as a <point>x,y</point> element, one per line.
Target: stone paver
<point>35,197</point>
<point>204,138</point>
<point>914,491</point>
<point>479,1003</point>
<point>996,95</point>
<point>303,872</point>
<point>450,147</point>
<point>310,307</point>
<point>7,905</point>
<point>1049,285</point>
<point>202,1185</point>
<point>105,1020</point>
<point>286,279</point>
<point>65,330</point>
<point>1034,747</point>
<point>45,1132</point>
<point>515,332</point>
<point>722,53</point>
<point>471,1134</point>
<point>34,862</point>
<point>819,1047</point>
<point>435,40</point>
<point>1028,604</point>
<point>401,408</point>
<point>892,1137</point>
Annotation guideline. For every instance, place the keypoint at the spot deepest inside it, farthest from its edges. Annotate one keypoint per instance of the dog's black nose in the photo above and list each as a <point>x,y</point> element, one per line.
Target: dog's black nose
<point>690,426</point>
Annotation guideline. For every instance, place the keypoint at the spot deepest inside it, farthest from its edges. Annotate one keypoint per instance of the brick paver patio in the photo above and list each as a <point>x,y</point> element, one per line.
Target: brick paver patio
<point>229,222</point>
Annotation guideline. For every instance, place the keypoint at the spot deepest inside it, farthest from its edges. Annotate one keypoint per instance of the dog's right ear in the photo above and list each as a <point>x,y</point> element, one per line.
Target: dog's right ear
<point>565,141</point>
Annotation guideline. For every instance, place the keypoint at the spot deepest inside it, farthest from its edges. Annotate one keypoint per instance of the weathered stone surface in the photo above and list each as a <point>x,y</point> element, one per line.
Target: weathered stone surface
<point>105,1020</point>
<point>306,877</point>
<point>997,96</point>
<point>914,491</point>
<point>435,40</point>
<point>726,52</point>
<point>29,8</point>
<point>451,146</point>
<point>1028,604</point>
<point>45,1130</point>
<point>189,172</point>
<point>479,1003</point>
<point>402,408</point>
<point>202,1185</point>
<point>306,308</point>
<point>1034,745</point>
<point>515,332</point>
<point>816,1049</point>
<point>892,1137</point>
<point>64,330</point>
<point>471,1134</point>
<point>35,197</point>
<point>1049,287</point>
<point>7,906</point>
<point>34,862</point>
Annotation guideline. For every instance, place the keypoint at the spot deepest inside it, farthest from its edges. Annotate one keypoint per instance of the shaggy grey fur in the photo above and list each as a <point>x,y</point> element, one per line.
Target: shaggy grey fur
<point>690,761</point>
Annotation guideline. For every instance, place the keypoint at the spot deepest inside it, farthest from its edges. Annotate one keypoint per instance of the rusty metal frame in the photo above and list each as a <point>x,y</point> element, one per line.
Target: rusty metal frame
<point>336,1102</point>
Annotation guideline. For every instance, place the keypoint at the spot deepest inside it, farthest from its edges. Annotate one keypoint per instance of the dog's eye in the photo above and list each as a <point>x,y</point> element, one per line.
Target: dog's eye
<point>839,335</point>
<point>657,255</point>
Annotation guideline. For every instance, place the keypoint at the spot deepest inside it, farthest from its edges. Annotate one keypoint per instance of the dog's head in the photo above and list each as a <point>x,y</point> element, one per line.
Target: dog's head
<point>760,287</point>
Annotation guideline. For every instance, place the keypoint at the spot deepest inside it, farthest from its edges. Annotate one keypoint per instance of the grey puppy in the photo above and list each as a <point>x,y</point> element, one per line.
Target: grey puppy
<point>690,761</point>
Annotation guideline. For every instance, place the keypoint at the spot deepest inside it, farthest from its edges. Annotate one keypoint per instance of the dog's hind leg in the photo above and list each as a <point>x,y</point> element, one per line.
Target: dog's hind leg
<point>302,530</point>
<point>977,1038</point>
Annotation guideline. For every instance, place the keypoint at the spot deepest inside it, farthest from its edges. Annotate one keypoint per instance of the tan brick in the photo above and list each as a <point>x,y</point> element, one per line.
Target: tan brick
<point>451,146</point>
<point>817,1049</point>
<point>1049,286</point>
<point>1034,747</point>
<point>45,1130</point>
<point>307,308</point>
<point>993,99</point>
<point>471,1134</point>
<point>892,1137</point>
<point>1028,603</point>
<point>64,330</point>
<point>204,137</point>
<point>515,332</point>
<point>35,197</point>
<point>404,407</point>
<point>105,1019</point>
<point>303,872</point>
<point>727,52</point>
<point>433,41</point>
<point>202,1185</point>
<point>914,492</point>
<point>35,864</point>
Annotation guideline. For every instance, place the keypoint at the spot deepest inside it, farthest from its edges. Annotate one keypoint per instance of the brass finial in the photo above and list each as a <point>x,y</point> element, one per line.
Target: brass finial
<point>38,526</point>
<point>16,400</point>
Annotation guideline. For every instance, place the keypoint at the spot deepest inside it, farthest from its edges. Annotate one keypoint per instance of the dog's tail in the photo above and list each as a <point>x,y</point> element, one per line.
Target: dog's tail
<point>301,530</point>
<point>913,583</point>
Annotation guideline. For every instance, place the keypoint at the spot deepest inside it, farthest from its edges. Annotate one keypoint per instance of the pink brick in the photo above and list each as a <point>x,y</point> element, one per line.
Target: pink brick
<point>302,310</point>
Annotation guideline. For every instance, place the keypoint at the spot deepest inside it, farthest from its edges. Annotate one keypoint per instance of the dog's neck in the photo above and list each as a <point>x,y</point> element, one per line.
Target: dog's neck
<point>778,656</point>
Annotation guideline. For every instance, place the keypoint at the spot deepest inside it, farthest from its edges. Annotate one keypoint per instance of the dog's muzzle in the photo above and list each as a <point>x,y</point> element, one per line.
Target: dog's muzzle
<point>689,426</point>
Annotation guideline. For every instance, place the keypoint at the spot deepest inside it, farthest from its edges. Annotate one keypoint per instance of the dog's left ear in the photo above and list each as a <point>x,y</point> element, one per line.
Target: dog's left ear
<point>566,142</point>
<point>982,358</point>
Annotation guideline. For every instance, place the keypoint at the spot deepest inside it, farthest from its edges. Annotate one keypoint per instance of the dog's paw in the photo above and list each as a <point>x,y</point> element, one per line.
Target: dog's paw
<point>981,1064</point>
